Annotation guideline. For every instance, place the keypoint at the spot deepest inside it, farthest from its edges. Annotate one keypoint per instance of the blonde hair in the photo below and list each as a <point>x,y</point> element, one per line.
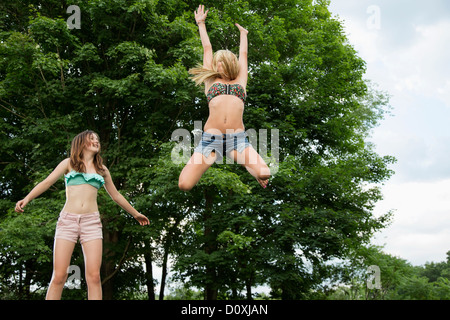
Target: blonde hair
<point>76,153</point>
<point>230,67</point>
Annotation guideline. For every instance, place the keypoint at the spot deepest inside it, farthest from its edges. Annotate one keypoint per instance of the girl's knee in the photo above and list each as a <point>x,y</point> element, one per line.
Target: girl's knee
<point>59,277</point>
<point>93,278</point>
<point>184,185</point>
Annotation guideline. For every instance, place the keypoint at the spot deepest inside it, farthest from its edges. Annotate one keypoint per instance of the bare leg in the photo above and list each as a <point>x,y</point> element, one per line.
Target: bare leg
<point>62,252</point>
<point>254,164</point>
<point>92,251</point>
<point>194,169</point>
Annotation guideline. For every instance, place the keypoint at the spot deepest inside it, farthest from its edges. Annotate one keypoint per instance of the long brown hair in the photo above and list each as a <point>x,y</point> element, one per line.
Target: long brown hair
<point>230,66</point>
<point>76,153</point>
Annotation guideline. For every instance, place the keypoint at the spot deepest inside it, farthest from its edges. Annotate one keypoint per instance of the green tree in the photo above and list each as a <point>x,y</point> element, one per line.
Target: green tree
<point>430,282</point>
<point>306,81</point>
<point>124,74</point>
<point>398,279</point>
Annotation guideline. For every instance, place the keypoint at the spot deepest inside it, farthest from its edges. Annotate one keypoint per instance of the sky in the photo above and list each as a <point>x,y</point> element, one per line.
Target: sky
<point>406,45</point>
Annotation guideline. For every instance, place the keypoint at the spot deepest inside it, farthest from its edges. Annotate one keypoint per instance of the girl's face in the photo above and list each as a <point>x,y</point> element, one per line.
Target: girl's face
<point>93,143</point>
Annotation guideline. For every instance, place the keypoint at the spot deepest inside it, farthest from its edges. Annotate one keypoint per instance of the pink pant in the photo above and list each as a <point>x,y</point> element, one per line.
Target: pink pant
<point>86,226</point>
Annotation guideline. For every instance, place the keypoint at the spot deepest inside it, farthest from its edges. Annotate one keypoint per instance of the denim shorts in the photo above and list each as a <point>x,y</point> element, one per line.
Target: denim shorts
<point>223,144</point>
<point>74,226</point>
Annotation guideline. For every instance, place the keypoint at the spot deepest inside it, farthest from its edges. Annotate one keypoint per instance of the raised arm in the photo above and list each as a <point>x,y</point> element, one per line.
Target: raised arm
<point>121,201</point>
<point>243,55</point>
<point>44,185</point>
<point>200,18</point>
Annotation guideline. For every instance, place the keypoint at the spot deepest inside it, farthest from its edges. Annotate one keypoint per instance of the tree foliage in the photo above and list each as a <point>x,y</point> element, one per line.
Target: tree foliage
<point>124,74</point>
<point>398,279</point>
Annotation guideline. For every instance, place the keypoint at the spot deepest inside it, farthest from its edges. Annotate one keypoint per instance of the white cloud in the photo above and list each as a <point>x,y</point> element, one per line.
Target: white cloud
<point>408,58</point>
<point>416,73</point>
<point>420,67</point>
<point>423,68</point>
<point>420,231</point>
<point>419,158</point>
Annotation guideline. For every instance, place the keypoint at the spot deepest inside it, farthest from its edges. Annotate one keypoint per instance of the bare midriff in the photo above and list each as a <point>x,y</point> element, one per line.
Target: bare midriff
<point>81,199</point>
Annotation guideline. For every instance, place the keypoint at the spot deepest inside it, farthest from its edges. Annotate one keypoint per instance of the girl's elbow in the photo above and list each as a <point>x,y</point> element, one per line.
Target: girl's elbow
<point>45,185</point>
<point>115,197</point>
<point>207,49</point>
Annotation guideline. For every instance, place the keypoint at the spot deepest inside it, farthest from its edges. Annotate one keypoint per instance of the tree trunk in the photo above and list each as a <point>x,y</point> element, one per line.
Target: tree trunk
<point>163,274</point>
<point>211,289</point>
<point>248,285</point>
<point>149,274</point>
<point>108,264</point>
<point>167,249</point>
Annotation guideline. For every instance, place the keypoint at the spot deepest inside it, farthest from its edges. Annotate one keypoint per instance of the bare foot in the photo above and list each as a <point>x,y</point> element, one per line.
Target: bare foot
<point>263,183</point>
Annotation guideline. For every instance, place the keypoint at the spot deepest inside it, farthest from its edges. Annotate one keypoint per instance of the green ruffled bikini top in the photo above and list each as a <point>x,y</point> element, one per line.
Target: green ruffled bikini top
<point>74,178</point>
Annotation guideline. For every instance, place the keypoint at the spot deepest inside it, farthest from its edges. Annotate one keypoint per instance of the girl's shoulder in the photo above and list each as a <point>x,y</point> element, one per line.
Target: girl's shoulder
<point>105,171</point>
<point>66,164</point>
<point>208,83</point>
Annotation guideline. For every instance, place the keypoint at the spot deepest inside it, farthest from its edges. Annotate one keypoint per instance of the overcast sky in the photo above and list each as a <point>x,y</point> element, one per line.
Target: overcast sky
<point>406,44</point>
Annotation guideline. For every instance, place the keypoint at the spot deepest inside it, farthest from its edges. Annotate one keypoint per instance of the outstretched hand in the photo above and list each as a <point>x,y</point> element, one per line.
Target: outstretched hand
<point>143,220</point>
<point>20,204</point>
<point>241,29</point>
<point>200,14</point>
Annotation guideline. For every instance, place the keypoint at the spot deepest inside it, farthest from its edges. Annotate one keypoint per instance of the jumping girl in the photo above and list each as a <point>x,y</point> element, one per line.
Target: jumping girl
<point>79,219</point>
<point>225,79</point>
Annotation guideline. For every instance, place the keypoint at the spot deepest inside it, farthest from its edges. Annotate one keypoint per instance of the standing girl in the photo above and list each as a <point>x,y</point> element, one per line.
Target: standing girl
<point>84,174</point>
<point>225,79</point>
